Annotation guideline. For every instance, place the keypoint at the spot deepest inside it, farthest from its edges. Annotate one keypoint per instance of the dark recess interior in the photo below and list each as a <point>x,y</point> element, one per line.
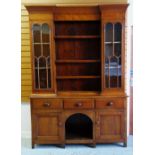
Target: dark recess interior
<point>79,126</point>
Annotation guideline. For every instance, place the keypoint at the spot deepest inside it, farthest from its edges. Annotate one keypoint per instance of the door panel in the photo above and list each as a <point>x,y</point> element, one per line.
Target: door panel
<point>48,126</point>
<point>110,125</point>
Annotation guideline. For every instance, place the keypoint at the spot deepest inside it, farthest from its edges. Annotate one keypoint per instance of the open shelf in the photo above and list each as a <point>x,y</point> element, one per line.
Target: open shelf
<point>110,42</point>
<point>78,69</point>
<point>79,84</point>
<point>78,77</point>
<point>77,37</point>
<point>77,28</point>
<point>78,61</point>
<point>80,49</point>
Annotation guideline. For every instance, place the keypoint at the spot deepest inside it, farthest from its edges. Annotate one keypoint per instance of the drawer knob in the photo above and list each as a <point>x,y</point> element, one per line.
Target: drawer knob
<point>46,104</point>
<point>78,104</point>
<point>60,124</point>
<point>110,103</point>
<point>97,122</point>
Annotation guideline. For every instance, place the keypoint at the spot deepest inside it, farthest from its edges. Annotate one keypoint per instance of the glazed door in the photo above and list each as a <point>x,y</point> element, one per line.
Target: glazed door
<point>42,47</point>
<point>109,126</point>
<point>113,59</point>
<point>47,127</point>
<point>113,55</point>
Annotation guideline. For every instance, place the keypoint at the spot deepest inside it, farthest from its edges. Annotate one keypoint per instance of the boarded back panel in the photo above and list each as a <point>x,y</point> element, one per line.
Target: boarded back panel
<point>25,25</point>
<point>25,36</point>
<point>25,30</point>
<point>26,65</point>
<point>26,88</point>
<point>26,77</point>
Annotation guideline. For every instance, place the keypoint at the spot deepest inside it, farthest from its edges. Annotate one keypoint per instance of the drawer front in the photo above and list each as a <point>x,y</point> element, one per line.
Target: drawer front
<point>47,104</point>
<point>110,103</point>
<point>78,104</point>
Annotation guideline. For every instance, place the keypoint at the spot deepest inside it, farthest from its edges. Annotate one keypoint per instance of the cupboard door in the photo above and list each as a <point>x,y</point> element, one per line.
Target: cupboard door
<point>109,126</point>
<point>47,127</point>
<point>113,55</point>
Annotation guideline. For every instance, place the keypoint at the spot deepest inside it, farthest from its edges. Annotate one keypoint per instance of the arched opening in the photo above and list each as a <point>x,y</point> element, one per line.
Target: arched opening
<point>79,126</point>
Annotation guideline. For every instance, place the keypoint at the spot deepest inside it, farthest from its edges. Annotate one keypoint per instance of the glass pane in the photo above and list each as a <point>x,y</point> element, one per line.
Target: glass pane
<point>36,62</point>
<point>48,62</point>
<point>108,50</point>
<point>119,72</point>
<point>36,33</point>
<point>119,61</point>
<point>36,79</point>
<point>45,33</point>
<point>43,78</point>
<point>107,72</point>
<point>117,49</point>
<point>42,62</point>
<point>37,50</point>
<point>118,32</point>
<point>49,78</point>
<point>113,52</point>
<point>46,50</point>
<point>71,30</point>
<point>41,56</point>
<point>109,32</point>
<point>113,72</point>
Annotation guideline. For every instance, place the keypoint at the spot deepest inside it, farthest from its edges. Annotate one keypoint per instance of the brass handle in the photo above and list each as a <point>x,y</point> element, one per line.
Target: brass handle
<point>110,104</point>
<point>46,104</point>
<point>78,104</point>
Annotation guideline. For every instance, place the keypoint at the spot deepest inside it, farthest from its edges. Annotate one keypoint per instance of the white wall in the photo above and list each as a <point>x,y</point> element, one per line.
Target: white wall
<point>129,24</point>
<point>25,120</point>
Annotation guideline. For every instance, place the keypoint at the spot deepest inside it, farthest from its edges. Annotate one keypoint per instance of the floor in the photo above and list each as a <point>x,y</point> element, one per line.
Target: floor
<point>101,149</point>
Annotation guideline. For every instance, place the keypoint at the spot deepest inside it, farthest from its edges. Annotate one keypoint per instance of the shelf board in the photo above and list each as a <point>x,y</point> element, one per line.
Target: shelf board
<point>78,77</point>
<point>115,42</point>
<point>42,67</point>
<point>78,61</point>
<point>41,43</point>
<point>77,37</point>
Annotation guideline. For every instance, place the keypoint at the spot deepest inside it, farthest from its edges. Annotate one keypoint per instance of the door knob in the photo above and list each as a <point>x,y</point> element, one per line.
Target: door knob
<point>97,122</point>
<point>110,103</point>
<point>60,124</point>
<point>78,104</point>
<point>46,104</point>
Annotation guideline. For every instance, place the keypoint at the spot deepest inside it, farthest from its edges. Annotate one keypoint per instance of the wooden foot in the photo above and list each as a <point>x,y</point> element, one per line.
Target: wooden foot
<point>33,145</point>
<point>62,146</point>
<point>125,144</point>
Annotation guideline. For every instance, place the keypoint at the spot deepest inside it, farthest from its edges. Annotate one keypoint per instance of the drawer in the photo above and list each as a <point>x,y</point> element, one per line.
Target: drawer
<point>78,104</point>
<point>47,104</point>
<point>110,103</point>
